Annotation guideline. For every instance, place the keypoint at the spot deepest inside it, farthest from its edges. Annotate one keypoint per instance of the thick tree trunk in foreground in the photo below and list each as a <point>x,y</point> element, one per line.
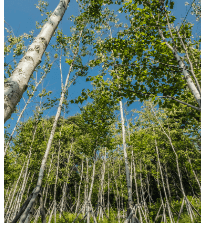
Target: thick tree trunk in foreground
<point>18,82</point>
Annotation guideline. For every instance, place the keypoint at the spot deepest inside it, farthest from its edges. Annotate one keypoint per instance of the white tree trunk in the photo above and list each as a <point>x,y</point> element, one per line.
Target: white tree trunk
<point>18,82</point>
<point>187,76</point>
<point>43,163</point>
<point>177,164</point>
<point>101,186</point>
<point>91,187</point>
<point>78,199</point>
<point>159,164</point>
<point>108,194</point>
<point>55,185</point>
<point>130,200</point>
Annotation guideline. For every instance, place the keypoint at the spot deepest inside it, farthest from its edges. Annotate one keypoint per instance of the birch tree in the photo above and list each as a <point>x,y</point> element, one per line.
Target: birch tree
<point>160,152</point>
<point>15,86</point>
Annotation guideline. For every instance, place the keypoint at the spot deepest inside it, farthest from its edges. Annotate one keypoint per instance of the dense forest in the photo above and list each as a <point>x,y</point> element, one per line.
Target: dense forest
<point>110,162</point>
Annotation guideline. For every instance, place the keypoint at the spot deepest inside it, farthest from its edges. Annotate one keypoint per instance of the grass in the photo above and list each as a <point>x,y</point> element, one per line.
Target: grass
<point>69,217</point>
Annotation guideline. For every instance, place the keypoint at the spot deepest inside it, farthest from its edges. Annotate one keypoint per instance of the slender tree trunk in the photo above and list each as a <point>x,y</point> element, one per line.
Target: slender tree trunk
<point>181,210</point>
<point>55,212</point>
<point>7,191</point>
<point>147,181</point>
<point>158,213</point>
<point>85,199</point>
<point>65,183</point>
<point>93,214</point>
<point>42,169</point>
<point>45,190</point>
<point>91,187</point>
<point>189,209</point>
<point>87,203</point>
<point>143,197</point>
<point>108,194</point>
<point>30,185</point>
<point>101,186</point>
<point>122,204</point>
<point>50,208</point>
<point>136,188</point>
<point>167,202</point>
<point>159,188</point>
<point>167,182</point>
<point>37,215</point>
<point>78,198</point>
<point>193,193</point>
<point>53,208</point>
<point>130,201</point>
<point>117,194</point>
<point>56,178</point>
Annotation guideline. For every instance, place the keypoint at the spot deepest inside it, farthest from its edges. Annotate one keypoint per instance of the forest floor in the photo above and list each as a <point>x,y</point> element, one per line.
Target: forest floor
<point>114,217</point>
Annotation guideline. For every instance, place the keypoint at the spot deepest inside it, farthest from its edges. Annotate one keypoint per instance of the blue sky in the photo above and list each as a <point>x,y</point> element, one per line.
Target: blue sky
<point>22,15</point>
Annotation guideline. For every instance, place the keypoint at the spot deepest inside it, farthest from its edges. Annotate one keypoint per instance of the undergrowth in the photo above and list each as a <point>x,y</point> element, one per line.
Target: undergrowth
<point>153,210</point>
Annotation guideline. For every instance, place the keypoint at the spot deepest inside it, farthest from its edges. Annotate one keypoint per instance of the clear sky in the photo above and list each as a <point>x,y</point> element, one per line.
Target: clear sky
<point>22,15</point>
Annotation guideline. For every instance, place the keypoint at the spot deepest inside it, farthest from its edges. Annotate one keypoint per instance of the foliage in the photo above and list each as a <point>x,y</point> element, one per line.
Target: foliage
<point>132,63</point>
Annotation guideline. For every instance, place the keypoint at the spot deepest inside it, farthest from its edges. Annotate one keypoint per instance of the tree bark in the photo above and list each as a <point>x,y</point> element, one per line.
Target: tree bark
<point>91,187</point>
<point>130,201</point>
<point>101,186</point>
<point>18,82</point>
<point>42,210</point>
<point>108,194</point>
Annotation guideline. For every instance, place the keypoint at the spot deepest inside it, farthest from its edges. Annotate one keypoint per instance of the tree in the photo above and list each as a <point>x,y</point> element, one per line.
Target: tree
<point>93,165</point>
<point>152,43</point>
<point>15,86</point>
